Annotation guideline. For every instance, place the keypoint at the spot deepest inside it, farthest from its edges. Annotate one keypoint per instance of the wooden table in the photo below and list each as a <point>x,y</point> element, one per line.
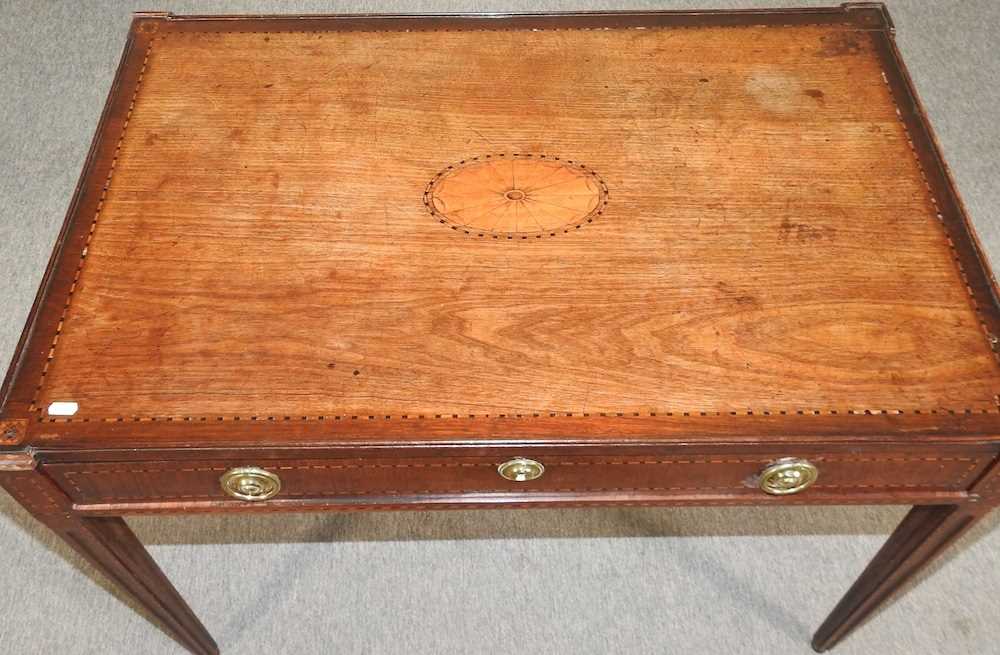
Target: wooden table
<point>359,263</point>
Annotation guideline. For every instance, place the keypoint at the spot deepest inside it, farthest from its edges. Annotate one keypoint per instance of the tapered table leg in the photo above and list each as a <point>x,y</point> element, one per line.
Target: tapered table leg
<point>110,545</point>
<point>922,535</point>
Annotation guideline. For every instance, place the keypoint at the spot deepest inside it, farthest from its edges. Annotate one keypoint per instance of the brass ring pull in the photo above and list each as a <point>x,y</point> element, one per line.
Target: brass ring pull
<point>521,469</point>
<point>250,483</point>
<point>788,475</point>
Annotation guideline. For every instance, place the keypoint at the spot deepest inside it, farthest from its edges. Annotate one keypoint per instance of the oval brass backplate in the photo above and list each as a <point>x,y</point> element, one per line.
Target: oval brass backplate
<point>521,469</point>
<point>788,475</point>
<point>250,483</point>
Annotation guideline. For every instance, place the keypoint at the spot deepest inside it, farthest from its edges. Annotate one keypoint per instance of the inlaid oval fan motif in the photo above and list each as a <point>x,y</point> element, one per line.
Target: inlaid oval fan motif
<point>516,196</point>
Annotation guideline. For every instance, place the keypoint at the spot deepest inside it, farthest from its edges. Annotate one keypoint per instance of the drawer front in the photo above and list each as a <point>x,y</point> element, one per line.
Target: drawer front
<point>682,475</point>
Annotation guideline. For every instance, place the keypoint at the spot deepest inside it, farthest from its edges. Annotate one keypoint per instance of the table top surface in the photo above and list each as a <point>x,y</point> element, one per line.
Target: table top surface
<point>635,221</point>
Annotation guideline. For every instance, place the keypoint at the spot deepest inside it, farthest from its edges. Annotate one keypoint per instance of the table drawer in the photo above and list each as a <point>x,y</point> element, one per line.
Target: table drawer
<point>166,481</point>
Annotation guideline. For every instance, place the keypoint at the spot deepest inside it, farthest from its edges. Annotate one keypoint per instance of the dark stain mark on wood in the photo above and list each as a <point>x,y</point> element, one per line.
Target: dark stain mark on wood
<point>839,44</point>
<point>804,232</point>
<point>816,95</point>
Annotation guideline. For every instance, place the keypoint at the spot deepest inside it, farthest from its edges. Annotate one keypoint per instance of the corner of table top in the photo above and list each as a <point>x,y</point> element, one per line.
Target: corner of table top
<point>13,431</point>
<point>870,15</point>
<point>148,22</point>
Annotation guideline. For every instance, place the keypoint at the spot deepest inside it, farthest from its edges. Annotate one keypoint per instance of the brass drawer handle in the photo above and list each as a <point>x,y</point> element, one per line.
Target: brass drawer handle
<point>521,469</point>
<point>250,483</point>
<point>788,475</point>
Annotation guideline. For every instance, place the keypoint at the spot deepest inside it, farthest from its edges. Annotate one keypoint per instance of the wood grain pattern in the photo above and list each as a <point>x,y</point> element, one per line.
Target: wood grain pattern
<point>263,250</point>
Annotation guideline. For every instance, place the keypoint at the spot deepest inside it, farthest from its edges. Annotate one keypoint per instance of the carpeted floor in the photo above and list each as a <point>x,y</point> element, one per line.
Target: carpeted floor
<point>577,581</point>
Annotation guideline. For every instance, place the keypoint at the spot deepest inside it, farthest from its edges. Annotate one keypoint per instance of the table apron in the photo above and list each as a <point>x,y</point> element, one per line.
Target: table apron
<point>620,476</point>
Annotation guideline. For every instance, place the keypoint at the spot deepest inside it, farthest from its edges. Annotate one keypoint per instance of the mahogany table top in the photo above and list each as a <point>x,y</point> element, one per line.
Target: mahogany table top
<point>547,227</point>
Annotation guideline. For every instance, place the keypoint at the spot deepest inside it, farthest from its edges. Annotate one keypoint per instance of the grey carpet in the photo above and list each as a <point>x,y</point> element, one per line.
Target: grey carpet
<point>575,581</point>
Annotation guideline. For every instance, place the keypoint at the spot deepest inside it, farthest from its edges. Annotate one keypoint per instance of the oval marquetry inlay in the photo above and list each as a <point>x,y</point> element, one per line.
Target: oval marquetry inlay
<point>516,196</point>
